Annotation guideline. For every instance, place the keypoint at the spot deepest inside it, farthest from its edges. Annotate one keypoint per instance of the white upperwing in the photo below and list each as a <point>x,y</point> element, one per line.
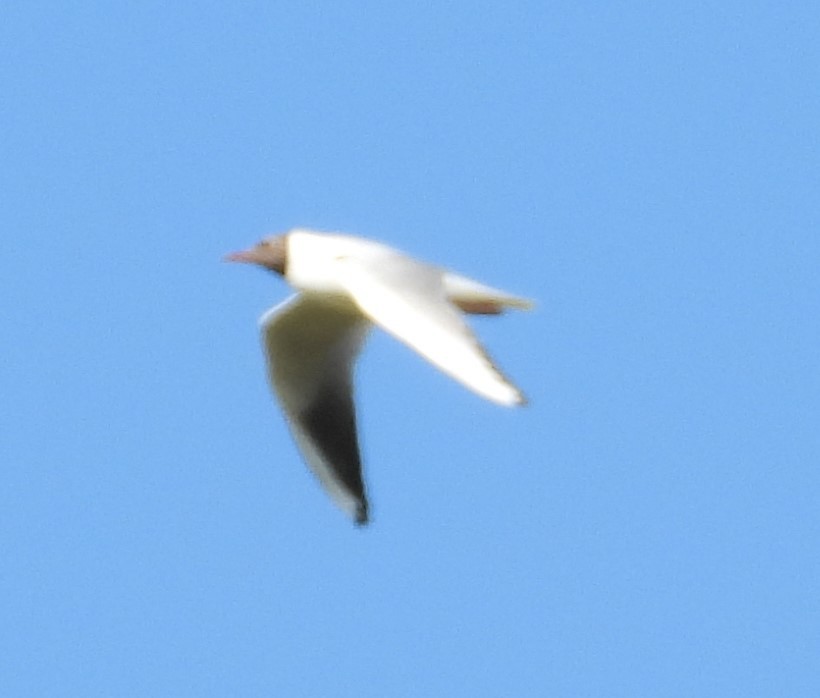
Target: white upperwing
<point>408,299</point>
<point>311,342</point>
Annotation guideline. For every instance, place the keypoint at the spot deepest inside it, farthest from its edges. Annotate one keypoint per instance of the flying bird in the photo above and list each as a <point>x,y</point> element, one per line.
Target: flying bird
<point>345,285</point>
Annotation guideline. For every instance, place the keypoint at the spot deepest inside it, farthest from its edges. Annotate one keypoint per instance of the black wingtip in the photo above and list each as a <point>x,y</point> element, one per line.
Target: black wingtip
<point>362,518</point>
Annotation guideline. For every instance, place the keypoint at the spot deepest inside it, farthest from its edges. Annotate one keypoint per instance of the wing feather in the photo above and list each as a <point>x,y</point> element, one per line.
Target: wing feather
<point>408,299</point>
<point>311,343</point>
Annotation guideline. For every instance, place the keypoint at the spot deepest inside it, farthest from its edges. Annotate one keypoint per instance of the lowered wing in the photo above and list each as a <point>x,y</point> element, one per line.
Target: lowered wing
<point>311,343</point>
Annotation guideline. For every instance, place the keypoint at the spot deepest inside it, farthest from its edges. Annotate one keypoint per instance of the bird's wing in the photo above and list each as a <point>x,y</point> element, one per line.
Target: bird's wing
<point>311,343</point>
<point>408,299</point>
<point>473,297</point>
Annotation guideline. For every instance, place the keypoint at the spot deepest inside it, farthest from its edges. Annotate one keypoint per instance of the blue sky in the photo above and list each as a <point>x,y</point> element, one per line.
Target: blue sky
<point>649,525</point>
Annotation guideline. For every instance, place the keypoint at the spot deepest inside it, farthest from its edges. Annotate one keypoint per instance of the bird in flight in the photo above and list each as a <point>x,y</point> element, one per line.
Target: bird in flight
<point>345,285</point>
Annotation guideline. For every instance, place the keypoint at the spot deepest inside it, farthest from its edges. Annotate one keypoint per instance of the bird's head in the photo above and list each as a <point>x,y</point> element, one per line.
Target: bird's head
<point>270,253</point>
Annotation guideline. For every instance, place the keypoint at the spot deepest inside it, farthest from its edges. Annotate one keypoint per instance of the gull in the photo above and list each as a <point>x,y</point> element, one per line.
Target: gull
<point>345,285</point>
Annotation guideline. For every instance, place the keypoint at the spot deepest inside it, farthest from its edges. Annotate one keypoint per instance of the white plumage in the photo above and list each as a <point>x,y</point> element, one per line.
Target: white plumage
<point>347,284</point>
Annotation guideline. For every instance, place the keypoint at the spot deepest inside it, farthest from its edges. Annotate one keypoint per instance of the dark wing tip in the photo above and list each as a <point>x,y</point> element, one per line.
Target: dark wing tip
<point>362,518</point>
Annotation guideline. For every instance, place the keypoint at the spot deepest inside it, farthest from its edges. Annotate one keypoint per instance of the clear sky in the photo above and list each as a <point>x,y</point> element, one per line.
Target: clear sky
<point>648,526</point>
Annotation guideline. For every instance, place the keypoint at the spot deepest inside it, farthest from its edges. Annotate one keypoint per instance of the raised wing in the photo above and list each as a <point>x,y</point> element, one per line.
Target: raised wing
<point>408,299</point>
<point>311,343</point>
